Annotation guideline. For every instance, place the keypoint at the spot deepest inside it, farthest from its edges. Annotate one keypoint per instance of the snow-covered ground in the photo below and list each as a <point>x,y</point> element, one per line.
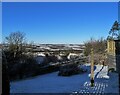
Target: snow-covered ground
<point>52,83</point>
<point>101,71</point>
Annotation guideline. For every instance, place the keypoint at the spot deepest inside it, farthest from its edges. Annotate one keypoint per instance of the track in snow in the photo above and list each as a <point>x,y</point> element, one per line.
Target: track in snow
<point>103,83</point>
<point>98,88</point>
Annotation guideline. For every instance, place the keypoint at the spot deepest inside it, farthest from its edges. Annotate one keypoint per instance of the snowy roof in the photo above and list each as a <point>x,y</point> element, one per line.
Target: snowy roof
<point>41,54</point>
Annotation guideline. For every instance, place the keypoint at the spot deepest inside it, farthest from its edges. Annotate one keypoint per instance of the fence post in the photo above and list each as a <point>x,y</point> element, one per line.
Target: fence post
<point>92,68</point>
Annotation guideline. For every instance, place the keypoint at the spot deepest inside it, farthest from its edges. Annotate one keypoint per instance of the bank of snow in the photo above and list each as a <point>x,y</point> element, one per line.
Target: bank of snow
<point>101,72</point>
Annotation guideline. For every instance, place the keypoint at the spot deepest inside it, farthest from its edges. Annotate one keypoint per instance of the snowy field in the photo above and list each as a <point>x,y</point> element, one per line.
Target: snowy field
<point>52,83</point>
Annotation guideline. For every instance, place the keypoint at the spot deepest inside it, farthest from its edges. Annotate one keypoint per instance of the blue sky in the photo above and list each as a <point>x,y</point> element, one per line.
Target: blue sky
<point>59,22</point>
<point>0,22</point>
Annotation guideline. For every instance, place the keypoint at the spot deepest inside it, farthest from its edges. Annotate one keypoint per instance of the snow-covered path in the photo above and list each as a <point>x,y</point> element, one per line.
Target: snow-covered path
<point>52,83</point>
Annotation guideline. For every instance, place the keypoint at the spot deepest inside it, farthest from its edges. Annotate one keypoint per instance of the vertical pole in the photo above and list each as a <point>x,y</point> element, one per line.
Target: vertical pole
<point>92,68</point>
<point>107,46</point>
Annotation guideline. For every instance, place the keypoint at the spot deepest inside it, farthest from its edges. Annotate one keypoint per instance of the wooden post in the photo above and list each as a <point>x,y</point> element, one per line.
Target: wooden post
<point>92,68</point>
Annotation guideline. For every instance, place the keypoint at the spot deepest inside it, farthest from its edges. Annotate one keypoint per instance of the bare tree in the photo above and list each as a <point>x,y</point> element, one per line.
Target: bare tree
<point>99,46</point>
<point>20,64</point>
<point>15,42</point>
